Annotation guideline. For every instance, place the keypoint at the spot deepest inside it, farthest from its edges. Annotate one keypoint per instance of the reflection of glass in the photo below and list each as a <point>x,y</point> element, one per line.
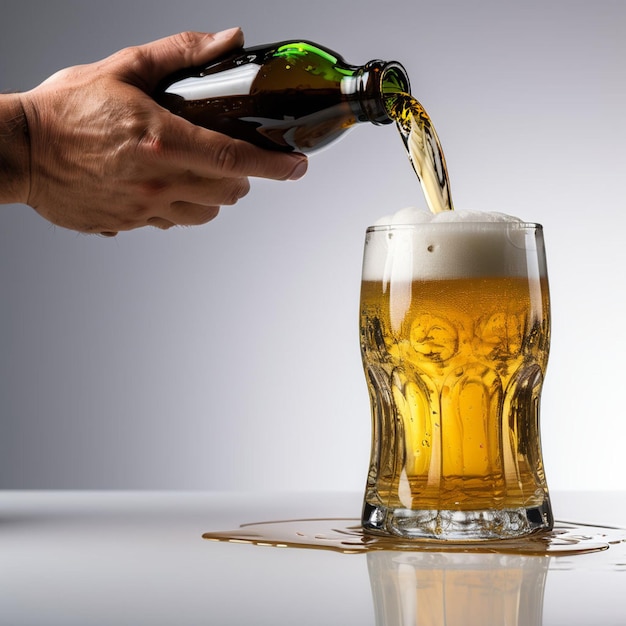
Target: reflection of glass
<point>457,589</point>
<point>455,329</point>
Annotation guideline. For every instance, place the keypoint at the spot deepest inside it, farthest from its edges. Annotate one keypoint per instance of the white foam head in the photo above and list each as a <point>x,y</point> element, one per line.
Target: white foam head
<point>415,244</point>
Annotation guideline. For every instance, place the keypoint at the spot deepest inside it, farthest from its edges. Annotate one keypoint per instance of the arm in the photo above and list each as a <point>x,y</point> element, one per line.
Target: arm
<point>14,157</point>
<point>105,157</point>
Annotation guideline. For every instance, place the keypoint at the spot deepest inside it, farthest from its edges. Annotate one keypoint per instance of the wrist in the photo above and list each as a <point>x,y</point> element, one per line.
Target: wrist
<point>14,150</point>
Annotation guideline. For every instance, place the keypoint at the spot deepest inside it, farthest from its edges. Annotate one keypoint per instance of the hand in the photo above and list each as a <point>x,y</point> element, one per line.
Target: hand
<point>104,157</point>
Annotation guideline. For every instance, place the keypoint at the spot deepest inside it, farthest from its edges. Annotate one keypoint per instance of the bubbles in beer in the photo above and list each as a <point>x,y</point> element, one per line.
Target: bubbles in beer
<point>423,148</point>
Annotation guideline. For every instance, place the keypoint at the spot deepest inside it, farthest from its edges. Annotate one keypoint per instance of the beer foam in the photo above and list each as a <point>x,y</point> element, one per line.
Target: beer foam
<point>412,215</point>
<point>415,244</point>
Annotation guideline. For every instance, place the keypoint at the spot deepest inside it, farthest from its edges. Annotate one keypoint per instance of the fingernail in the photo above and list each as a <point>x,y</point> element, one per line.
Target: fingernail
<point>160,222</point>
<point>299,170</point>
<point>227,34</point>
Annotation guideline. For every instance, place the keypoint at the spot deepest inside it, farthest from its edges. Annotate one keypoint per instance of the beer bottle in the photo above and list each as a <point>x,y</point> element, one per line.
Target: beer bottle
<point>290,96</point>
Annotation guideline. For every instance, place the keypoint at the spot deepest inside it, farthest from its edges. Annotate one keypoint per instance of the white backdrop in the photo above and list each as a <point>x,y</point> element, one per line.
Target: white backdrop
<point>226,356</point>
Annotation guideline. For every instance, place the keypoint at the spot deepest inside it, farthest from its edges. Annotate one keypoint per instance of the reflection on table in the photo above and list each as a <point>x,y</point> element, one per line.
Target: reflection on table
<point>139,558</point>
<point>457,589</point>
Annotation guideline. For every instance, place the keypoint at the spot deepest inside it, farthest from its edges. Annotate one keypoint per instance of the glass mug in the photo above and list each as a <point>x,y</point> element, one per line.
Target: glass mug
<point>455,332</point>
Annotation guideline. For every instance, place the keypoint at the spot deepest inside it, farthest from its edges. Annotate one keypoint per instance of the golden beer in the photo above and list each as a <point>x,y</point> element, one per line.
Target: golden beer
<point>454,337</point>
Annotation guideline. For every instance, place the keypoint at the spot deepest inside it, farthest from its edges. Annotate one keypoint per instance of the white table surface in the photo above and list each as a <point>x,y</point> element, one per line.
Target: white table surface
<point>83,558</point>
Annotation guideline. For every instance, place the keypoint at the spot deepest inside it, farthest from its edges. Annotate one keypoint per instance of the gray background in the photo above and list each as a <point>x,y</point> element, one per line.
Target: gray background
<point>226,356</point>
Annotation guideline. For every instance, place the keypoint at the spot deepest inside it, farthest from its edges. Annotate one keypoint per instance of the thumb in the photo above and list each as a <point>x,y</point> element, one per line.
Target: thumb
<point>156,60</point>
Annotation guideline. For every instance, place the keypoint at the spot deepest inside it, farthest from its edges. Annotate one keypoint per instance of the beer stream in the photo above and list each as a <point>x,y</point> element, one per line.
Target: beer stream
<point>423,148</point>
<point>346,535</point>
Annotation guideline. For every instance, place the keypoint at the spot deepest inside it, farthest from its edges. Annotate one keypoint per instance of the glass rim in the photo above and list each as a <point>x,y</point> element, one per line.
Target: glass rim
<point>416,226</point>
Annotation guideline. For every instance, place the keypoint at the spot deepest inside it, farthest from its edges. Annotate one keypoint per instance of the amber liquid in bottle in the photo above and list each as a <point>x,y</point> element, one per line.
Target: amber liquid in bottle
<point>290,96</point>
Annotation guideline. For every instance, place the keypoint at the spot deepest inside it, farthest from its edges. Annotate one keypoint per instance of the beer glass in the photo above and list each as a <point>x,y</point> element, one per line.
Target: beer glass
<point>455,332</point>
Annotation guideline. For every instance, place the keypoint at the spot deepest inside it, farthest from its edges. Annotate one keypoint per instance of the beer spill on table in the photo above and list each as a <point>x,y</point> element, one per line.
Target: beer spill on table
<point>346,535</point>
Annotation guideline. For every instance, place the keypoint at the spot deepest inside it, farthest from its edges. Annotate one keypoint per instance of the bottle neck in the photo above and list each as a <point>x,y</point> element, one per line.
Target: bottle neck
<point>368,89</point>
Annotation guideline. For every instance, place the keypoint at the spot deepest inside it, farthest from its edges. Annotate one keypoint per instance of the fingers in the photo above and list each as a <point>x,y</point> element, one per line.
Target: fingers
<point>225,156</point>
<point>185,200</point>
<point>180,214</point>
<point>184,214</point>
<point>231,157</point>
<point>156,60</point>
<point>191,188</point>
<point>177,214</point>
<point>214,155</point>
<point>192,147</point>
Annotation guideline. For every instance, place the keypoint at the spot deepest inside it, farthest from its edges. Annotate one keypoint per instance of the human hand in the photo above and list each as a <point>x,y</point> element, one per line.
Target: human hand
<point>105,157</point>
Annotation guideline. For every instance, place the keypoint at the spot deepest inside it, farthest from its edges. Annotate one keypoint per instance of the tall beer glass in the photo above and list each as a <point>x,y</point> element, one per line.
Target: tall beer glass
<point>455,331</point>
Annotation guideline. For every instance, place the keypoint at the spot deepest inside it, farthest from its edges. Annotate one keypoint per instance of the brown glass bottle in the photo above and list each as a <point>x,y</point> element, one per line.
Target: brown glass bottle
<point>290,96</point>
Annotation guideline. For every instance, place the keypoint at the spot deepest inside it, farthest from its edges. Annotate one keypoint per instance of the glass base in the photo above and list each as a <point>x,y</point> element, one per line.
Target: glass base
<point>478,525</point>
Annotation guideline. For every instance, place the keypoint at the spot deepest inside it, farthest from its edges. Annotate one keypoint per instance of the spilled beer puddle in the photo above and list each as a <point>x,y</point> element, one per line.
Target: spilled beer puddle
<point>345,535</point>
